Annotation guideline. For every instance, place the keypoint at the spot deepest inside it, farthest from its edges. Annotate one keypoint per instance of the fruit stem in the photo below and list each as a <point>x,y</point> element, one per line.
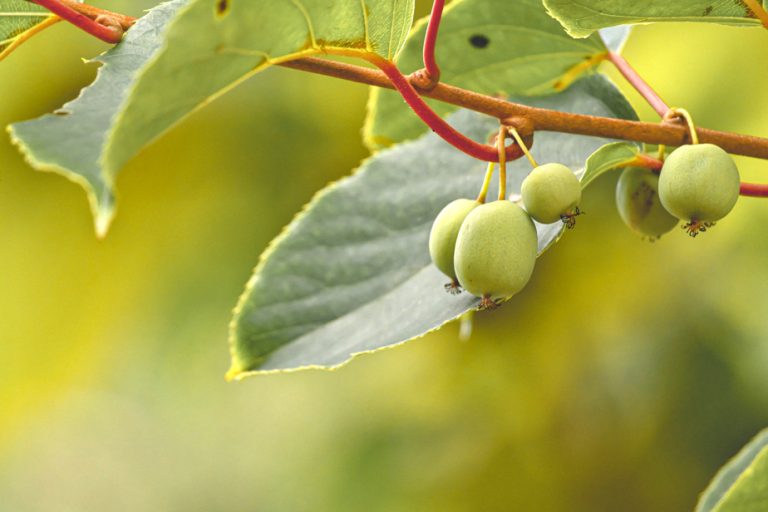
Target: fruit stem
<point>501,142</point>
<point>544,119</point>
<point>758,10</point>
<point>434,121</point>
<point>430,42</point>
<point>105,25</point>
<point>486,183</point>
<point>519,140</point>
<point>640,85</point>
<point>675,113</point>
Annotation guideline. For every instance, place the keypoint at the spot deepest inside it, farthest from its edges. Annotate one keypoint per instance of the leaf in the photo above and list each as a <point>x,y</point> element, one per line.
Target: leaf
<point>611,156</point>
<point>352,273</point>
<point>20,20</point>
<point>742,484</point>
<point>583,17</point>
<point>181,56</point>
<point>498,47</point>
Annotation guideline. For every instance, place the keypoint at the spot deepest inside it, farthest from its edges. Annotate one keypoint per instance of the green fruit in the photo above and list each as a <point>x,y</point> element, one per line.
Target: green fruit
<point>700,184</point>
<point>495,251</point>
<point>551,193</point>
<point>637,198</point>
<point>445,229</point>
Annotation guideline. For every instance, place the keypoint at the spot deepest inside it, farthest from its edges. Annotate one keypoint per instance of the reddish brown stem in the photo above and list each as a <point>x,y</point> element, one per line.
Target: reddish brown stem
<point>754,190</point>
<point>430,41</point>
<point>640,85</point>
<point>434,121</point>
<point>548,120</point>
<point>105,25</point>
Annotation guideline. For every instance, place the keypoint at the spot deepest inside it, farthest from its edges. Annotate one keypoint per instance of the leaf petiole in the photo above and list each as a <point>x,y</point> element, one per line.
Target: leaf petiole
<point>640,85</point>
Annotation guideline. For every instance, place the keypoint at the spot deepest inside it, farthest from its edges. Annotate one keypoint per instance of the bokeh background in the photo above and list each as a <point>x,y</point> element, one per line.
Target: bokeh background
<point>622,377</point>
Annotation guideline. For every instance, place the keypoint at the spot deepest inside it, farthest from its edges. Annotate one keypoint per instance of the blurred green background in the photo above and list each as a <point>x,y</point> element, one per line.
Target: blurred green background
<point>620,379</point>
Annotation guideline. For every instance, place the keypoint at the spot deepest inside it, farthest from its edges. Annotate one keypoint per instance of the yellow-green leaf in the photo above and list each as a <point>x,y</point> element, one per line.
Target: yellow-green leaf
<point>181,56</point>
<point>742,484</point>
<point>583,17</point>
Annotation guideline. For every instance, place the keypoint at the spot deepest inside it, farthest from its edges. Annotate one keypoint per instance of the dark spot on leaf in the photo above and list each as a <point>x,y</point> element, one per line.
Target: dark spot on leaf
<point>707,11</point>
<point>479,41</point>
<point>222,7</point>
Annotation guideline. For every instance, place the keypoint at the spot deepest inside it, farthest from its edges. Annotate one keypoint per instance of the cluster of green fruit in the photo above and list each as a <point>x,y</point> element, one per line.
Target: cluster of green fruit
<point>490,249</point>
<point>698,184</point>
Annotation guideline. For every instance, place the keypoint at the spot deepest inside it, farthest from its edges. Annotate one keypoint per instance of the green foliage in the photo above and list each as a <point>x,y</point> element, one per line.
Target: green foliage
<point>75,140</point>
<point>488,46</point>
<point>608,157</point>
<point>352,273</point>
<point>742,484</point>
<point>171,65</point>
<point>18,17</point>
<point>583,17</point>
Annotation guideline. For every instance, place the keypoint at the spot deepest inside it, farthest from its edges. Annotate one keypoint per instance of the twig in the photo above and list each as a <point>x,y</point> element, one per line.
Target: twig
<point>640,85</point>
<point>544,119</point>
<point>430,41</point>
<point>105,25</point>
<point>434,121</point>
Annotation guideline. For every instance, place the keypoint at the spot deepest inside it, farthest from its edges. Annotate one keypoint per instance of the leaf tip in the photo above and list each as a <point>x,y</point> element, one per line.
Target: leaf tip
<point>102,220</point>
<point>234,374</point>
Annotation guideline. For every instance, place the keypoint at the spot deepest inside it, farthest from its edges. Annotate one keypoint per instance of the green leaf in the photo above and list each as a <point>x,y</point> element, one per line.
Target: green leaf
<point>19,20</point>
<point>610,156</point>
<point>583,17</point>
<point>742,484</point>
<point>180,57</point>
<point>499,47</point>
<point>352,273</point>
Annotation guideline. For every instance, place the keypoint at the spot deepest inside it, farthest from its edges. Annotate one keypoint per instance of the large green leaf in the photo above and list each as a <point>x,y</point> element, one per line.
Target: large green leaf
<point>488,46</point>
<point>352,272</point>
<point>180,57</point>
<point>742,484</point>
<point>583,17</point>
<point>18,19</point>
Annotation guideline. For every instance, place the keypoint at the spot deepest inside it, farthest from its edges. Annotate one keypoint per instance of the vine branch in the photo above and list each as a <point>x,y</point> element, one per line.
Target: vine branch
<point>105,25</point>
<point>431,68</point>
<point>414,100</point>
<point>539,118</point>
